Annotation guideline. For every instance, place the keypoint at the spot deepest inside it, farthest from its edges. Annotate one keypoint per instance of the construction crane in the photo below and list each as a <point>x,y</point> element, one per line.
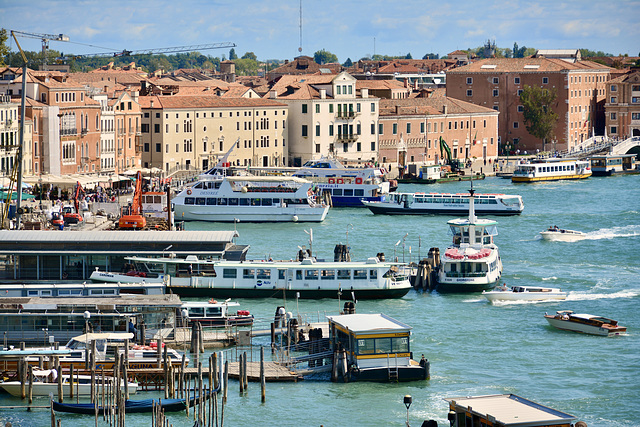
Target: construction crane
<point>45,38</point>
<point>175,49</point>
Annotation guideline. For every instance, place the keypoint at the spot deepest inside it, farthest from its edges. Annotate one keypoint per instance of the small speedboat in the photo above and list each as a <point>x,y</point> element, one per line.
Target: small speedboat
<point>562,235</point>
<point>586,323</point>
<point>524,293</point>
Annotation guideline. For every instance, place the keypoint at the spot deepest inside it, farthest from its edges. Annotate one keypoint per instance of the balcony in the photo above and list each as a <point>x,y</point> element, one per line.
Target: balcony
<point>346,115</point>
<point>68,131</point>
<point>347,137</point>
<point>84,131</point>
<point>121,131</point>
<point>138,131</point>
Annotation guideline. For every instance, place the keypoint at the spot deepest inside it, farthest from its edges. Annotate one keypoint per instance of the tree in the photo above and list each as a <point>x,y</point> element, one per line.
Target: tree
<point>539,117</point>
<point>431,56</point>
<point>4,49</point>
<point>408,56</point>
<point>348,63</point>
<point>250,55</point>
<point>232,54</point>
<point>324,57</point>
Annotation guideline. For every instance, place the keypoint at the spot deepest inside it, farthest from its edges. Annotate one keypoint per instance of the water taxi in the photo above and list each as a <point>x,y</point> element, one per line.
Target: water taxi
<point>446,204</point>
<point>551,170</point>
<point>349,187</point>
<point>249,199</point>
<point>612,164</point>
<point>472,263</point>
<point>307,277</point>
<point>373,347</point>
<point>45,383</point>
<point>215,314</point>
<point>524,293</point>
<point>567,320</point>
<point>562,235</point>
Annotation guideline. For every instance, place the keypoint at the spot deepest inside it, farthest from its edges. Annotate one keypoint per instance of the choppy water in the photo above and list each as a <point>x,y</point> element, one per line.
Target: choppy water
<point>474,347</point>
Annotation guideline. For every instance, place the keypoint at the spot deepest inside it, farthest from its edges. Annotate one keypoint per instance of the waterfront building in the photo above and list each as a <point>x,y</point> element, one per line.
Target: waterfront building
<point>409,130</point>
<point>328,116</point>
<point>498,82</point>
<point>192,132</point>
<point>10,137</point>
<point>622,106</point>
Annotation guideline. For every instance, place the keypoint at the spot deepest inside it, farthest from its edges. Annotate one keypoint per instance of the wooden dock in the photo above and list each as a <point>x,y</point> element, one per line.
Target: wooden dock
<point>273,372</point>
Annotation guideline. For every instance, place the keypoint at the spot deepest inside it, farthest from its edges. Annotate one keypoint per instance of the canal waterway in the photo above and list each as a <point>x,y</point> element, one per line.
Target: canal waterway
<point>475,348</point>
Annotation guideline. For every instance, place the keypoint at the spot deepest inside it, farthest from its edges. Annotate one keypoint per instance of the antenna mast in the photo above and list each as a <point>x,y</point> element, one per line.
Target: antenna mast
<point>300,47</point>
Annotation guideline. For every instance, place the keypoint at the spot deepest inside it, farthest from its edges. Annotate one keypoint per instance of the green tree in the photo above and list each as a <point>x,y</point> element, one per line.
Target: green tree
<point>246,67</point>
<point>431,56</point>
<point>408,56</point>
<point>324,57</point>
<point>250,55</point>
<point>539,117</point>
<point>348,63</point>
<point>232,55</point>
<point>4,49</point>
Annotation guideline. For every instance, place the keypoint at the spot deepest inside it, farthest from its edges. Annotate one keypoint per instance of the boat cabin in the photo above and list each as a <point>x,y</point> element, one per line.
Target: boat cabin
<point>504,410</point>
<point>611,164</point>
<point>473,233</point>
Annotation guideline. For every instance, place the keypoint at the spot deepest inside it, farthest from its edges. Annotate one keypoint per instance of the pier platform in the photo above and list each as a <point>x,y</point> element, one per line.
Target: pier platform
<point>273,372</point>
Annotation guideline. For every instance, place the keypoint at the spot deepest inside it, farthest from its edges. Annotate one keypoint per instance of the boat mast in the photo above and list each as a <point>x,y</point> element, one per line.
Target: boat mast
<point>472,216</point>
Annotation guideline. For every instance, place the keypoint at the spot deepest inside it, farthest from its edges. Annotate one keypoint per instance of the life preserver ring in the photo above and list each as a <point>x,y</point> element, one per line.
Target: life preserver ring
<point>358,180</point>
<point>189,191</point>
<point>332,181</point>
<point>164,209</point>
<point>340,181</point>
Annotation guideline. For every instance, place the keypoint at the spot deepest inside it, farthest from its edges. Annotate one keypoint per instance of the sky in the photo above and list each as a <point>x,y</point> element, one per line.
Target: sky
<point>349,29</point>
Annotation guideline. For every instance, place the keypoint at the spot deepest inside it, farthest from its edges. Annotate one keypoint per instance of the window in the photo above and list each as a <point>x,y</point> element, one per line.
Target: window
<point>614,129</point>
<point>520,92</point>
<point>495,93</point>
<point>359,146</point>
<point>380,128</point>
<point>613,116</point>
<point>395,129</point>
<point>614,100</point>
<point>495,80</point>
<point>516,125</point>
<point>331,108</point>
<point>516,80</point>
<point>373,144</point>
<point>304,108</point>
<point>317,130</point>
<point>469,80</point>
<point>330,130</point>
<point>545,80</point>
<point>614,88</point>
<point>304,130</point>
<point>635,116</point>
<point>469,92</point>
<point>317,148</point>
<point>422,127</point>
<point>248,273</point>
<point>373,128</point>
<point>373,107</point>
<point>520,109</point>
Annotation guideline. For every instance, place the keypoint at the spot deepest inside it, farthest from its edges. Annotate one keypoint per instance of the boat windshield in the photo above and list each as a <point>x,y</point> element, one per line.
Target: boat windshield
<point>74,344</point>
<point>511,201</point>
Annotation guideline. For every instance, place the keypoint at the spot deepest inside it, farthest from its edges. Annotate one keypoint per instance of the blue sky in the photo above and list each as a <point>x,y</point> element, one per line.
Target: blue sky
<point>346,28</point>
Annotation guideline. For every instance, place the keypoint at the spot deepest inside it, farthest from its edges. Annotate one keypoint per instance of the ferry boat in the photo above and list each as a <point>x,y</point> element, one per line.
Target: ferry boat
<point>445,203</point>
<point>249,199</point>
<point>562,235</point>
<point>586,323</point>
<point>551,170</point>
<point>308,277</point>
<point>524,293</point>
<point>349,187</point>
<point>45,383</point>
<point>472,263</point>
<point>216,314</point>
<point>373,347</point>
<point>612,164</point>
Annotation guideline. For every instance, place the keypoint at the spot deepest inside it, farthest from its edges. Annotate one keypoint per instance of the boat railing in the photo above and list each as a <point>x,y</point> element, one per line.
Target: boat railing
<point>471,274</point>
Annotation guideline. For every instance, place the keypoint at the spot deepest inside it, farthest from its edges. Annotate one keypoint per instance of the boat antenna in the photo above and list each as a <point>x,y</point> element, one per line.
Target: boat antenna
<point>472,212</point>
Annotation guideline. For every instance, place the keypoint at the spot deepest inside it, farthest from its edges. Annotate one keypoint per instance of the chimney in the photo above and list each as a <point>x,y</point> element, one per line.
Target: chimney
<point>406,82</point>
<point>445,110</point>
<point>151,103</point>
<point>323,94</point>
<point>364,92</point>
<point>106,88</point>
<point>273,94</point>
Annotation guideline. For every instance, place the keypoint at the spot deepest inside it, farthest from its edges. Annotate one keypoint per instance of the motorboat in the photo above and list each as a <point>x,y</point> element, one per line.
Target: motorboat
<point>215,313</point>
<point>446,204</point>
<point>586,323</point>
<point>472,263</point>
<point>551,170</point>
<point>562,235</point>
<point>524,293</point>
<point>45,382</point>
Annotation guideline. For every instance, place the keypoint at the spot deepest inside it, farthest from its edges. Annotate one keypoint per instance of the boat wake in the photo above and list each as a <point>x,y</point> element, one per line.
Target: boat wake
<point>582,296</point>
<point>521,302</point>
<point>611,233</point>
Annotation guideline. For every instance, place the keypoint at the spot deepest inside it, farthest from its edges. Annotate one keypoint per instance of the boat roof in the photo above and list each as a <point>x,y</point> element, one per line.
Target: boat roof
<point>110,336</point>
<point>419,193</point>
<point>482,222</point>
<point>279,178</point>
<point>227,303</point>
<point>511,410</point>
<point>611,156</point>
<point>589,317</point>
<point>359,323</point>
<point>371,262</point>
<point>556,160</point>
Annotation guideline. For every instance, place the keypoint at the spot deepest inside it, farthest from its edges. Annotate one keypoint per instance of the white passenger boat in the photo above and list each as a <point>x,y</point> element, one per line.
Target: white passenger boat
<point>249,199</point>
<point>446,204</point>
<point>349,187</point>
<point>216,314</point>
<point>551,170</point>
<point>45,382</point>
<point>586,323</point>
<point>562,235</point>
<point>308,277</point>
<point>373,347</point>
<point>472,263</point>
<point>524,293</point>
<point>614,164</point>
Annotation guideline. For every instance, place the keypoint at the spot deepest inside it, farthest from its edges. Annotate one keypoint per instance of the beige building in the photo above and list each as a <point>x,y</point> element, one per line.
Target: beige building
<point>410,131</point>
<point>128,135</point>
<point>193,132</point>
<point>497,83</point>
<point>328,115</point>
<point>623,106</point>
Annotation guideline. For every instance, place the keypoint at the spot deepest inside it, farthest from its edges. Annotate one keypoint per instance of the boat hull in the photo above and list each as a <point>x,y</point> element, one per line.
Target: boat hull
<point>524,296</point>
<point>554,236</point>
<point>219,322</point>
<point>405,373</point>
<point>305,293</point>
<point>447,287</point>
<point>567,325</point>
<point>44,389</point>
<point>516,178</point>
<point>251,214</point>
<point>381,209</point>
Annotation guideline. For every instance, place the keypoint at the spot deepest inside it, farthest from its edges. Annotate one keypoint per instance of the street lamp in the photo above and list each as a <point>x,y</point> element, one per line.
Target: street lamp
<point>40,185</point>
<point>407,402</point>
<point>403,239</point>
<point>86,316</point>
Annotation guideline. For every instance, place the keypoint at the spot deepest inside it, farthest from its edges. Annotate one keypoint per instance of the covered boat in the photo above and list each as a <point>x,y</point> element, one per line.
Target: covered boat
<point>131,406</point>
<point>586,323</point>
<point>524,293</point>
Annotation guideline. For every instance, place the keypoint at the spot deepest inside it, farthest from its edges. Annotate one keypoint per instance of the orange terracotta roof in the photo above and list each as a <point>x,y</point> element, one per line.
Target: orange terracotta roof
<point>523,65</point>
<point>430,106</point>
<point>176,102</point>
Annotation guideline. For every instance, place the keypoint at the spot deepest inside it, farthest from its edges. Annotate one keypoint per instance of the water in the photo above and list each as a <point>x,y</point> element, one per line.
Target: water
<point>475,348</point>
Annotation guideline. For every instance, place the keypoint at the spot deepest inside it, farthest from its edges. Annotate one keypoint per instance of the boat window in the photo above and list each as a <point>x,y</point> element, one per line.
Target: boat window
<point>358,192</point>
<point>311,275</point>
<point>32,293</point>
<point>222,201</point>
<point>400,344</point>
<point>344,274</point>
<point>337,192</point>
<point>348,192</point>
<point>298,274</point>
<point>62,292</point>
<point>383,345</point>
<point>199,185</point>
<point>366,346</point>
<point>255,202</point>
<point>201,201</point>
<point>281,274</point>
<point>211,201</point>
<point>214,311</point>
<point>229,273</point>
<point>248,273</point>
<point>327,274</point>
<point>245,202</point>
<point>263,273</point>
<point>266,202</point>
<point>359,274</point>
<point>189,200</point>
<point>196,311</point>
<point>373,274</point>
<point>275,201</point>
